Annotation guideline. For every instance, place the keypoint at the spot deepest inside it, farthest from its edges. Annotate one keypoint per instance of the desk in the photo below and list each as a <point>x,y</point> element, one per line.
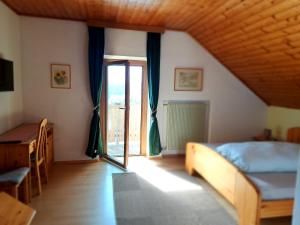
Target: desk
<point>13,212</point>
<point>16,155</point>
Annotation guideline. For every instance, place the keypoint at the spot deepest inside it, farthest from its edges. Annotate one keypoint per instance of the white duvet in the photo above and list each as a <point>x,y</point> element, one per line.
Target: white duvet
<point>262,156</point>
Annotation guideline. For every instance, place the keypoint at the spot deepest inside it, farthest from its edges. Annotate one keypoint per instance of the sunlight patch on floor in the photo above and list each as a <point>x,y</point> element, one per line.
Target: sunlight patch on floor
<point>160,178</point>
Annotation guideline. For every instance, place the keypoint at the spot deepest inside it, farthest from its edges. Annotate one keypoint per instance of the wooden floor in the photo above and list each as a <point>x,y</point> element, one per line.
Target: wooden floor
<point>82,194</point>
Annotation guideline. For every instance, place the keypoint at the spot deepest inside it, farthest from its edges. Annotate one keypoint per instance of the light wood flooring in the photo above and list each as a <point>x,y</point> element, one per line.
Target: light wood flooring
<point>81,194</point>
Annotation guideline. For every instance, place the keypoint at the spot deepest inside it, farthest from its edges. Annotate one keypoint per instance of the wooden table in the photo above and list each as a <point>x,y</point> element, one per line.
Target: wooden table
<point>17,154</point>
<point>13,212</point>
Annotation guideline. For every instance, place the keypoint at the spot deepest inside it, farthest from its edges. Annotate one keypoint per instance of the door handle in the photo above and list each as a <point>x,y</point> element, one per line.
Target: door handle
<point>122,108</point>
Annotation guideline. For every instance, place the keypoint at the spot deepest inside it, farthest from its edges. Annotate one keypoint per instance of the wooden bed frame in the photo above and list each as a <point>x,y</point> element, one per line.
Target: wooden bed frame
<point>234,185</point>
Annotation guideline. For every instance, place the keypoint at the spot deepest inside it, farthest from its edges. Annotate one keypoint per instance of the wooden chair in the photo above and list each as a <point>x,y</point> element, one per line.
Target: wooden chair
<point>40,156</point>
<point>12,180</point>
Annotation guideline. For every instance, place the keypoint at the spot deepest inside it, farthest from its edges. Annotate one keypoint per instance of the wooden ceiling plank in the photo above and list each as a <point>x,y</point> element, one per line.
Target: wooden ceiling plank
<point>176,12</point>
<point>256,52</point>
<point>70,10</point>
<point>94,8</point>
<point>112,9</point>
<point>278,7</point>
<point>142,8</point>
<point>240,8</point>
<point>295,44</point>
<point>294,36</point>
<point>106,9</point>
<point>271,77</point>
<point>293,51</point>
<point>156,5</point>
<point>187,12</point>
<point>292,29</point>
<point>134,11</point>
<point>121,10</point>
<point>173,14</point>
<point>279,89</point>
<point>198,17</point>
<point>230,44</point>
<point>199,21</point>
<point>115,9</point>
<point>126,15</point>
<point>162,13</point>
<point>276,82</point>
<point>213,14</point>
<point>261,69</point>
<point>260,24</point>
<point>237,53</point>
<point>257,16</point>
<point>275,26</point>
<point>291,12</point>
<point>238,21</point>
<point>259,37</point>
<point>191,13</point>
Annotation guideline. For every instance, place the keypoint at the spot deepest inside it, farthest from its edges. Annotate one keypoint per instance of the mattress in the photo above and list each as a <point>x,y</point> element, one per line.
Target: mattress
<point>275,186</point>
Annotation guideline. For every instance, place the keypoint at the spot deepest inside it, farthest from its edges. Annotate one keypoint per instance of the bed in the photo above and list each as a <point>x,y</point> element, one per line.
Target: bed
<point>246,192</point>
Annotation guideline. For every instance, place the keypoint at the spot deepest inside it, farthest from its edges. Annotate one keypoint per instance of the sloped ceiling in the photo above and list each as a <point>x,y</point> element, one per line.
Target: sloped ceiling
<point>258,40</point>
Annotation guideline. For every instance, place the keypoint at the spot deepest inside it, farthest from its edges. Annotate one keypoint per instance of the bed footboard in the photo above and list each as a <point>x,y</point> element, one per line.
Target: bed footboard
<point>227,180</point>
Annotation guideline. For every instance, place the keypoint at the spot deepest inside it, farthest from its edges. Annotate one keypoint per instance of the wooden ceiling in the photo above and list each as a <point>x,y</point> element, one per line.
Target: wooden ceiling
<point>258,40</point>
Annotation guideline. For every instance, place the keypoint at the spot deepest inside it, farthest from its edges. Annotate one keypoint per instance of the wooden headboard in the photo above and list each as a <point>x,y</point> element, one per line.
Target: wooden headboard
<point>293,135</point>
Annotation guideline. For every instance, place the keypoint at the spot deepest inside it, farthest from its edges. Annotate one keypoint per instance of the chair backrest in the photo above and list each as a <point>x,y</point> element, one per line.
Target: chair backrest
<point>41,145</point>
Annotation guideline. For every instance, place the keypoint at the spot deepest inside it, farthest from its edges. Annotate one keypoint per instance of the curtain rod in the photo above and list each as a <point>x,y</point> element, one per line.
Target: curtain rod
<point>97,23</point>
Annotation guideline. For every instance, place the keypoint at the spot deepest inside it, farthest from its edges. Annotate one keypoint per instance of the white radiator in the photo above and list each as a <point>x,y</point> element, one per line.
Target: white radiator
<point>185,122</point>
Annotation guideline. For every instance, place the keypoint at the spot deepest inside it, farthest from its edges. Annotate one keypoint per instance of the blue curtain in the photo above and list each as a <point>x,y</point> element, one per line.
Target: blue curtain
<point>153,69</point>
<point>96,54</point>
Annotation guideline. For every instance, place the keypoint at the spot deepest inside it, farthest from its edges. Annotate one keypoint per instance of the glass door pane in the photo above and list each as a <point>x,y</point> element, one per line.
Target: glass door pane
<point>117,112</point>
<point>136,77</point>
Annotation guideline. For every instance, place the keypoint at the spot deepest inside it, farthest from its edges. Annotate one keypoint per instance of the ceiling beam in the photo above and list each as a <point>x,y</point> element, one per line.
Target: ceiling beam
<point>97,23</point>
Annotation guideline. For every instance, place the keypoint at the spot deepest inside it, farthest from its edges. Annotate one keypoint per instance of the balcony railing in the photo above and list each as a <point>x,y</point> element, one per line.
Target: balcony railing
<point>115,128</point>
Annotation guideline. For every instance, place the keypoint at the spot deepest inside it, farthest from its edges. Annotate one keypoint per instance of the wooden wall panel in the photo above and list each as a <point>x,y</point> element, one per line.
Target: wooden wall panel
<point>258,40</point>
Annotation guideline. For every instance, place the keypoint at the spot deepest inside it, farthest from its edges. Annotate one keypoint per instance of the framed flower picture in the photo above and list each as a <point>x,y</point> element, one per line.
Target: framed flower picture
<point>61,76</point>
<point>188,79</point>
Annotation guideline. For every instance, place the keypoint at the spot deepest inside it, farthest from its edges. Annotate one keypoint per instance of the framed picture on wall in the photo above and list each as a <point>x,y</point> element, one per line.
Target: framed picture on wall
<point>61,76</point>
<point>188,79</point>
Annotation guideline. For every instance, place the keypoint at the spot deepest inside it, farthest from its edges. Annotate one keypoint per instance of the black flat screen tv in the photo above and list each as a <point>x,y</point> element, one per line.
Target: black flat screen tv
<point>6,75</point>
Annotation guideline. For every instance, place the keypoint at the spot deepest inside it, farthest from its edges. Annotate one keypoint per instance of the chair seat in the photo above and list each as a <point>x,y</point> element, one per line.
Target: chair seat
<point>15,176</point>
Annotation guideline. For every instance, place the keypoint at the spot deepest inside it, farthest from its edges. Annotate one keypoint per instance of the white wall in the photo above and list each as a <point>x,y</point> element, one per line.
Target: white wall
<point>125,42</point>
<point>11,105</point>
<point>46,41</point>
<point>296,214</point>
<point>235,112</point>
